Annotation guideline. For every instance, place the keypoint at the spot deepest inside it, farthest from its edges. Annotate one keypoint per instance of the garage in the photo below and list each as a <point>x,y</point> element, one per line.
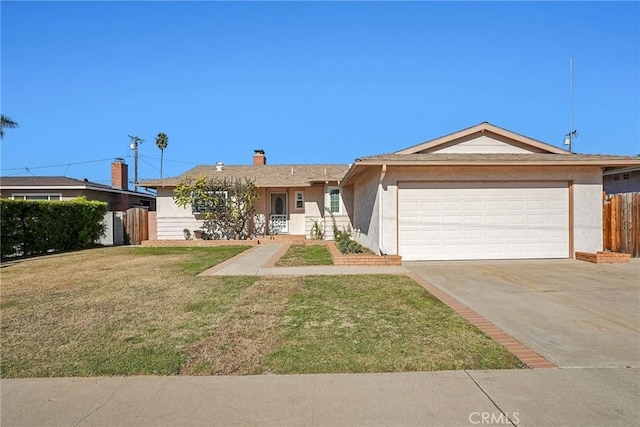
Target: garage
<point>483,220</point>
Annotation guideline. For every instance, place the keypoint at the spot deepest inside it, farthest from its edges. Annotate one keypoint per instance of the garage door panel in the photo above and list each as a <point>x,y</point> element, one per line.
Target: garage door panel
<point>497,220</point>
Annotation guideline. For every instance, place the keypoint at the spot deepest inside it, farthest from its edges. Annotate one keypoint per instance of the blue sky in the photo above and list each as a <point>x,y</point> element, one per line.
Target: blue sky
<point>308,82</point>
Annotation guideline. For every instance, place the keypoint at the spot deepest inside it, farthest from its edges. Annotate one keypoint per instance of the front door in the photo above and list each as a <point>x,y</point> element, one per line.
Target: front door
<point>278,217</point>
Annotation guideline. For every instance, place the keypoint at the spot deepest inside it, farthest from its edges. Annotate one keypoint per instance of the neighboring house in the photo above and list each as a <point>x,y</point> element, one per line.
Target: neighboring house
<point>117,196</point>
<point>481,193</point>
<point>627,180</point>
<point>291,197</point>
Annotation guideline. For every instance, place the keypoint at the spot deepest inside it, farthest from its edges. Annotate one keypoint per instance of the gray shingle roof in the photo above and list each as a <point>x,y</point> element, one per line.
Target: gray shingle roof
<point>262,175</point>
<point>59,182</point>
<point>45,181</point>
<point>497,158</point>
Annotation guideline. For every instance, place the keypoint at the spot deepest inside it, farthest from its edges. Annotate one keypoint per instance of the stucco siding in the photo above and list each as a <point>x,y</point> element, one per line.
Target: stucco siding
<point>366,209</point>
<point>586,195</point>
<point>483,144</point>
<point>587,217</point>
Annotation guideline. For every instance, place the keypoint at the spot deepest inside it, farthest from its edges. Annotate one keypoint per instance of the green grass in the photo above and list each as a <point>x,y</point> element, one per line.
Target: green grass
<point>300,255</point>
<point>378,324</point>
<point>139,311</point>
<point>202,259</point>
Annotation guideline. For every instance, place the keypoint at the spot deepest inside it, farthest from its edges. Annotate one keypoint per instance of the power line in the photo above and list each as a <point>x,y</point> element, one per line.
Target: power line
<point>149,164</point>
<point>169,160</point>
<point>68,165</point>
<point>58,166</point>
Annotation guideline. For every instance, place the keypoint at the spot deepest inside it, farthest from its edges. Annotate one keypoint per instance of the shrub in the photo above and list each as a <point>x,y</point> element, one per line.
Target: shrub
<point>344,242</point>
<point>33,227</point>
<point>316,231</point>
<point>225,204</point>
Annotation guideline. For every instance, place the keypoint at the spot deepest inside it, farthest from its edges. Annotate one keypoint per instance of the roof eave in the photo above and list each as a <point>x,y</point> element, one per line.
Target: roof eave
<point>584,162</point>
<point>71,187</point>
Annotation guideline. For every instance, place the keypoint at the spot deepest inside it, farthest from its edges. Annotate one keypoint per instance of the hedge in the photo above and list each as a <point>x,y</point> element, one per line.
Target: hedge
<point>35,227</point>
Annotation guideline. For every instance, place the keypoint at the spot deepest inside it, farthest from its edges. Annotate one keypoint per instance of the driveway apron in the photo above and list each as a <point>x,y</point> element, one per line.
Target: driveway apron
<point>574,313</point>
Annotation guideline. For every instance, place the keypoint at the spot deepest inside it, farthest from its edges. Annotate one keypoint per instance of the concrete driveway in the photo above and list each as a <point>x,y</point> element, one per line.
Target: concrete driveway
<point>574,313</point>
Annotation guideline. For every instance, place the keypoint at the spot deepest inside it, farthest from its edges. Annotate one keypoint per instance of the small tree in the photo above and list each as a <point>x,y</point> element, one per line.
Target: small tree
<point>225,204</point>
<point>162,141</point>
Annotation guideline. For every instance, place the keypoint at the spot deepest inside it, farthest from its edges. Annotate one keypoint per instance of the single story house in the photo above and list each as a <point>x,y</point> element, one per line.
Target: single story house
<point>480,193</point>
<point>626,180</point>
<point>291,197</point>
<point>118,196</point>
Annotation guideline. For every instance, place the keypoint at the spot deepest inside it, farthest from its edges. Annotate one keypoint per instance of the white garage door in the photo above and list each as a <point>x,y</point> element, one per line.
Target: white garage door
<point>483,220</point>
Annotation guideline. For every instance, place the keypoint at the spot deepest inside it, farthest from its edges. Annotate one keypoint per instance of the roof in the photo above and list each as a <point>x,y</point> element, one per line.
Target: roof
<point>37,181</point>
<point>540,154</point>
<point>462,159</point>
<point>262,175</point>
<point>58,183</point>
<point>498,159</point>
<point>483,128</point>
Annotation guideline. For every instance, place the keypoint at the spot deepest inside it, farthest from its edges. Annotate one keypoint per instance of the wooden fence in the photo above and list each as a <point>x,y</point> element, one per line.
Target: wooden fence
<point>136,225</point>
<point>621,223</point>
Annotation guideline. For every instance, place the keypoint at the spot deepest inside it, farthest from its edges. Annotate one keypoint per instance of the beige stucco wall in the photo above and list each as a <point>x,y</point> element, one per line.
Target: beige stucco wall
<point>366,212</point>
<point>484,144</point>
<point>586,198</point>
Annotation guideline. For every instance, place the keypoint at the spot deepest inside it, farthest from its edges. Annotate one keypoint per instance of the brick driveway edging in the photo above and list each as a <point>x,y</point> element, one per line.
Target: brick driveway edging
<point>521,351</point>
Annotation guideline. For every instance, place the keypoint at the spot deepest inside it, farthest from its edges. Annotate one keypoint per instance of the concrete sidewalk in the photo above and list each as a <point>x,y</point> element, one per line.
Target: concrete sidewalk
<point>258,261</point>
<point>571,397</point>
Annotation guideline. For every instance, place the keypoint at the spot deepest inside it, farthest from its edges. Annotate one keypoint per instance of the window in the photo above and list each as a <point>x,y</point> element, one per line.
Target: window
<point>626,176</point>
<point>334,200</point>
<point>299,200</point>
<point>36,196</point>
<point>214,201</point>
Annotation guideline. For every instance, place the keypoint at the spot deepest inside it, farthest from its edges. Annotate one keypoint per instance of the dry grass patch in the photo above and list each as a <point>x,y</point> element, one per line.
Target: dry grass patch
<point>131,311</point>
<point>246,333</point>
<point>111,311</point>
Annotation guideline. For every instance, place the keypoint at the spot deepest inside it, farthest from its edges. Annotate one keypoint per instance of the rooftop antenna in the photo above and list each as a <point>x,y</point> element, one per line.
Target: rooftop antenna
<point>568,138</point>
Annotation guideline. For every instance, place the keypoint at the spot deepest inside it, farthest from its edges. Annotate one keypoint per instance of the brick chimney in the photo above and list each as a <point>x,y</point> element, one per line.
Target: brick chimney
<point>259,159</point>
<point>119,174</point>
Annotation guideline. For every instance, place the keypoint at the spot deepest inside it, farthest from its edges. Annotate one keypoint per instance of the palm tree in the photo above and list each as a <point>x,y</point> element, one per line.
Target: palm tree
<point>162,141</point>
<point>6,122</point>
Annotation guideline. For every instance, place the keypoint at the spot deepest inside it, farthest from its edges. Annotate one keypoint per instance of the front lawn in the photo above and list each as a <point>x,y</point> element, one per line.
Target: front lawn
<point>378,323</point>
<point>299,255</point>
<point>129,311</point>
